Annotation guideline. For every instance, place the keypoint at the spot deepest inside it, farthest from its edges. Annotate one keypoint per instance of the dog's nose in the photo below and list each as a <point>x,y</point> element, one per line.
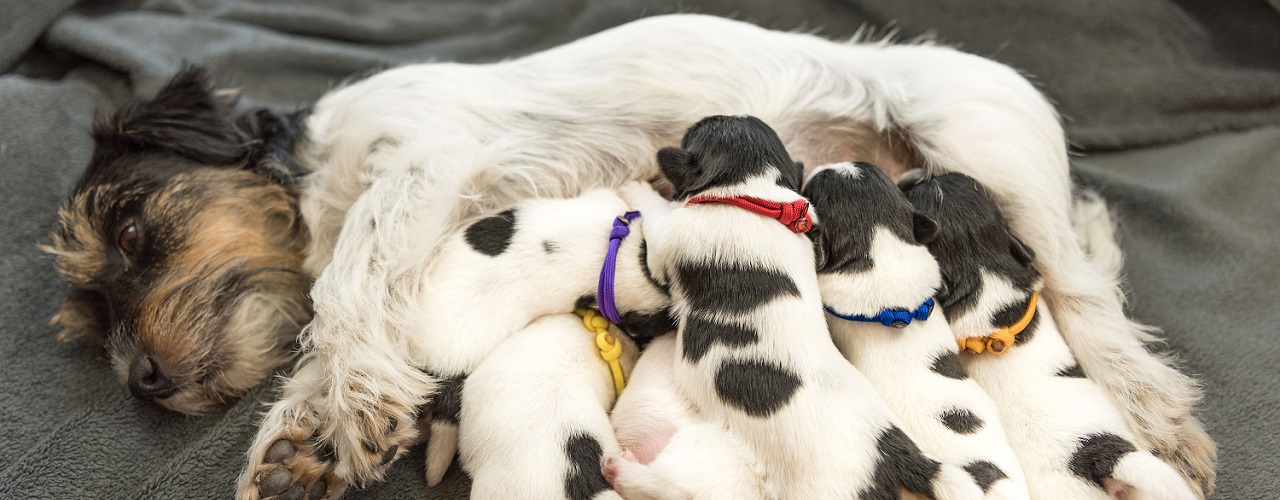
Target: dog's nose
<point>146,381</point>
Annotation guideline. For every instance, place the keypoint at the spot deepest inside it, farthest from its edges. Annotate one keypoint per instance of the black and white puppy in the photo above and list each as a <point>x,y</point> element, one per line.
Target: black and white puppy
<point>755,353</point>
<point>878,281</point>
<point>1069,436</point>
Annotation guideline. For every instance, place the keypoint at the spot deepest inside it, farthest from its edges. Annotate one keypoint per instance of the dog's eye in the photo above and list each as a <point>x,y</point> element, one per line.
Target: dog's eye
<point>128,238</point>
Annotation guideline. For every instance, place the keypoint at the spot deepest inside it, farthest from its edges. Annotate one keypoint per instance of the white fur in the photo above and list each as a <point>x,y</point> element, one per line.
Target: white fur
<point>523,402</point>
<point>419,149</point>
<point>822,442</point>
<point>1046,415</point>
<point>678,453</point>
<point>898,361</point>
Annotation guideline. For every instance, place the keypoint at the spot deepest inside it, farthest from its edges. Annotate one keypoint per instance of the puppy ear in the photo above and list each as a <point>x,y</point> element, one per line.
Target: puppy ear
<point>185,118</point>
<point>272,137</point>
<point>944,291</point>
<point>677,165</point>
<point>1023,253</point>
<point>819,248</point>
<point>795,176</point>
<point>924,228</point>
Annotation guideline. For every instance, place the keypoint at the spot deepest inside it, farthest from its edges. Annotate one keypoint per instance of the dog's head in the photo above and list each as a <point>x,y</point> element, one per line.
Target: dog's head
<point>869,245</point>
<point>182,244</point>
<point>987,269</point>
<point>721,151</point>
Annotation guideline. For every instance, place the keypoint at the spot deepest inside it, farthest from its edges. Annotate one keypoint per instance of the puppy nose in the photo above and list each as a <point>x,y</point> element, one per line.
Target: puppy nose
<point>146,381</point>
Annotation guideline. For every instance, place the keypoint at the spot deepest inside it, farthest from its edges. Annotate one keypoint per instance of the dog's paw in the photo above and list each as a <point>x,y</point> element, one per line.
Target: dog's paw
<point>289,461</point>
<point>370,416</point>
<point>639,194</point>
<point>1194,457</point>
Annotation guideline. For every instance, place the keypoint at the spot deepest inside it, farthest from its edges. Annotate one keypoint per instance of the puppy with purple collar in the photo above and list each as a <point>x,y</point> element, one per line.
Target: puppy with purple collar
<point>878,281</point>
<point>755,355</point>
<point>1071,440</point>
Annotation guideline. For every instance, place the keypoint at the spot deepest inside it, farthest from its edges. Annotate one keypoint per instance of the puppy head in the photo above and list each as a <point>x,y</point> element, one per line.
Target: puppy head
<point>869,245</point>
<point>723,151</point>
<point>987,269</point>
<point>182,243</point>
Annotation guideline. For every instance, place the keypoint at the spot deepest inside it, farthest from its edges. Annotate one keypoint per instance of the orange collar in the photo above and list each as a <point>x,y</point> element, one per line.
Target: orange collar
<point>1000,341</point>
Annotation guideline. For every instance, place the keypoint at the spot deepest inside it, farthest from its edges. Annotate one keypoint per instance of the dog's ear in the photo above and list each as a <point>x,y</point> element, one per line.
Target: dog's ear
<point>924,228</point>
<point>186,118</point>
<point>272,138</point>
<point>1023,253</point>
<point>680,168</point>
<point>794,175</point>
<point>819,247</point>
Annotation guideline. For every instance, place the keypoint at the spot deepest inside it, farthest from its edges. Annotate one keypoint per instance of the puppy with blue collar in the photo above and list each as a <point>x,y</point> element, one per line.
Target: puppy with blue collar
<point>878,281</point>
<point>1072,441</point>
<point>527,393</point>
<point>755,356</point>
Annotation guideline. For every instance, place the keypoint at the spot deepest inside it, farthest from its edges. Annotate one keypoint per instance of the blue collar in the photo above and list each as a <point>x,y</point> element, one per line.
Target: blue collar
<point>896,318</point>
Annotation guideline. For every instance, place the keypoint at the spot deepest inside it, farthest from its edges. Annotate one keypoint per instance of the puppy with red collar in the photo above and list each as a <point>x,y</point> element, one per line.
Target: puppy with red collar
<point>878,281</point>
<point>1071,440</point>
<point>755,356</point>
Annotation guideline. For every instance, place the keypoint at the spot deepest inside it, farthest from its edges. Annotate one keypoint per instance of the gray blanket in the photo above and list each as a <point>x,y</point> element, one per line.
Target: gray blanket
<point>1174,105</point>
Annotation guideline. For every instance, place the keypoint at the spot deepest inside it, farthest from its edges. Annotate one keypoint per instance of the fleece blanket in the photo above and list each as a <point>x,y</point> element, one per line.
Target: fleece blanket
<point>1173,107</point>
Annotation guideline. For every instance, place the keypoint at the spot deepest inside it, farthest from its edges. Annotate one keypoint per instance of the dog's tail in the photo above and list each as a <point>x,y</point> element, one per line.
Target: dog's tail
<point>1142,476</point>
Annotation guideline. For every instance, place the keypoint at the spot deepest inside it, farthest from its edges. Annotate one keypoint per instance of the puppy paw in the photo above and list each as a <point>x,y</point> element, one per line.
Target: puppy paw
<point>613,464</point>
<point>638,195</point>
<point>289,461</point>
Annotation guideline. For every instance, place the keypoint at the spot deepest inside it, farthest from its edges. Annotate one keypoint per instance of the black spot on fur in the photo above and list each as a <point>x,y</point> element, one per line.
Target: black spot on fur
<point>644,327</point>
<point>984,473</point>
<point>491,235</point>
<point>584,478</point>
<point>1096,457</point>
<point>851,208</point>
<point>960,420</point>
<point>1073,371</point>
<point>585,302</point>
<point>1010,314</point>
<point>732,289</point>
<point>947,364</point>
<point>699,334</point>
<point>973,236</point>
<point>446,405</point>
<point>756,387</point>
<point>901,466</point>
<point>550,247</point>
<point>722,151</point>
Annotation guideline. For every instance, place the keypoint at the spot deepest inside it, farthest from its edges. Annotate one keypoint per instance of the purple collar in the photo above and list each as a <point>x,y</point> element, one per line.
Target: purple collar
<point>604,293</point>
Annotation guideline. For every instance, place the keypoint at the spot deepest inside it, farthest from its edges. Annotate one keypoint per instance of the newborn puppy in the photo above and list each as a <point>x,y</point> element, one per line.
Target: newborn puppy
<point>535,422</point>
<point>495,276</point>
<point>1071,440</point>
<point>671,451</point>
<point>878,281</point>
<point>755,354</point>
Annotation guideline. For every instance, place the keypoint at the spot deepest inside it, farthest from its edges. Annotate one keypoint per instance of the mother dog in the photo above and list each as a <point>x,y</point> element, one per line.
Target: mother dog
<point>391,163</point>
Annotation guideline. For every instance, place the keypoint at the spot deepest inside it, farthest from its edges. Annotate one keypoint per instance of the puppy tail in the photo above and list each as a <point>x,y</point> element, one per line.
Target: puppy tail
<point>1142,476</point>
<point>953,483</point>
<point>442,445</point>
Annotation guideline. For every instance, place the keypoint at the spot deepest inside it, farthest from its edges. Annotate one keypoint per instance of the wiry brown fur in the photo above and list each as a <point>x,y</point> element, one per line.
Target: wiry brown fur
<point>214,291</point>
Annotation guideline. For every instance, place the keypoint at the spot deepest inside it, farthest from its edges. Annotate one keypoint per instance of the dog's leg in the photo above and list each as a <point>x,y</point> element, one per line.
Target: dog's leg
<point>967,114</point>
<point>288,458</point>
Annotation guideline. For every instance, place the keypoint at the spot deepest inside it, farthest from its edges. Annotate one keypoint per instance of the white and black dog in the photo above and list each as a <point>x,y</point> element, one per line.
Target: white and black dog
<point>878,282</point>
<point>756,356</point>
<point>489,280</point>
<point>389,165</point>
<point>1071,440</point>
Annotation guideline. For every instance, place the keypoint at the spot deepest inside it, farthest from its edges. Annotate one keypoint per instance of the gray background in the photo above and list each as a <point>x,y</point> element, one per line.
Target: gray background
<point>1173,107</point>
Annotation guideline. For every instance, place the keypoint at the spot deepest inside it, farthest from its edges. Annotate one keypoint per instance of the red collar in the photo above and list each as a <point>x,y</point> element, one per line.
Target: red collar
<point>794,215</point>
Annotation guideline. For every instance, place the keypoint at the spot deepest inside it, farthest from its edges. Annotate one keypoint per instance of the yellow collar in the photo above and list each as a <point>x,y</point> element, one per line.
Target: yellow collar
<point>610,347</point>
<point>1000,341</point>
